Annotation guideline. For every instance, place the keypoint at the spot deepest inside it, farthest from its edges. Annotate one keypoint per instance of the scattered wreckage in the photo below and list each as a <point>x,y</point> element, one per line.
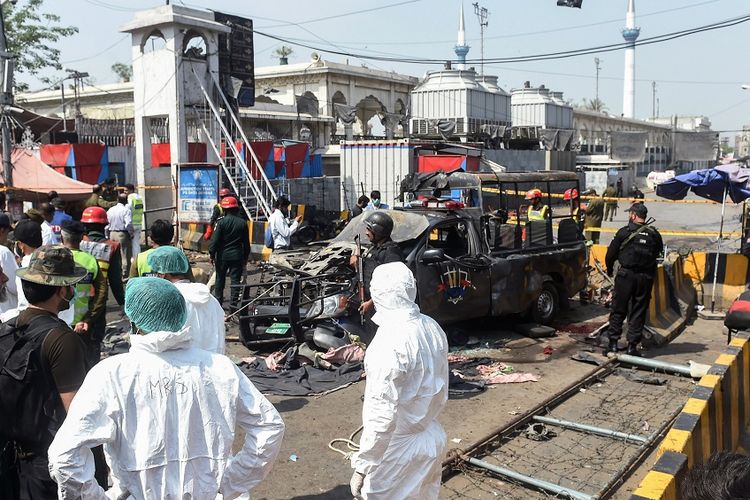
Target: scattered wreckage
<point>471,253</point>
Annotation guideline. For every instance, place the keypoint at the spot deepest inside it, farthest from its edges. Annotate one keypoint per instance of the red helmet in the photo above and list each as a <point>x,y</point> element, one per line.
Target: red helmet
<point>94,215</point>
<point>224,192</point>
<point>229,202</point>
<point>533,193</point>
<point>571,194</point>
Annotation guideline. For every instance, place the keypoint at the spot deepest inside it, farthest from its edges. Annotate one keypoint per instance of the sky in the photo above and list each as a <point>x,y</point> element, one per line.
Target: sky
<point>697,75</point>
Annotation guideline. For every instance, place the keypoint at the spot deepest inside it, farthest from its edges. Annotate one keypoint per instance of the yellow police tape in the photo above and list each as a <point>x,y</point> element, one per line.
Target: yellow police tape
<point>668,232</point>
<point>605,198</point>
<point>663,232</point>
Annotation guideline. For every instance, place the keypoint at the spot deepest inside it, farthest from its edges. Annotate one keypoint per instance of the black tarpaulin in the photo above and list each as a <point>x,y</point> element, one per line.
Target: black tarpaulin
<point>303,381</point>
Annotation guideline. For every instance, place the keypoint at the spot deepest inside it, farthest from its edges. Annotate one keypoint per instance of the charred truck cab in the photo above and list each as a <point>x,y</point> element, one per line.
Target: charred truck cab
<point>468,242</point>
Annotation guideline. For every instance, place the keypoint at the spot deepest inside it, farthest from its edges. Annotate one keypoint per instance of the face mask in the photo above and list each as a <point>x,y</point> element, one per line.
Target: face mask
<point>18,251</point>
<point>72,291</point>
<point>376,202</point>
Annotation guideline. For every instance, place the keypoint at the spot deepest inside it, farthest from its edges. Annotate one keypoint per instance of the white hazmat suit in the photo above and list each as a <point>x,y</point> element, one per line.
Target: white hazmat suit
<point>402,443</point>
<point>205,316</point>
<point>166,413</point>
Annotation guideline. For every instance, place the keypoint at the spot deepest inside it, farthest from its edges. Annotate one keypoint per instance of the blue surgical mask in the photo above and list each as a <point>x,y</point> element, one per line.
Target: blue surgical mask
<point>376,202</point>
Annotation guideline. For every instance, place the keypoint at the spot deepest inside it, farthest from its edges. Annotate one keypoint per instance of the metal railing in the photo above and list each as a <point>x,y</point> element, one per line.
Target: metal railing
<point>254,190</point>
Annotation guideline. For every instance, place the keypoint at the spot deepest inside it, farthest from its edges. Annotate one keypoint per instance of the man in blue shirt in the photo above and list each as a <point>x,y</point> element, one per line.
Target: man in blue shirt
<point>375,202</point>
<point>60,214</point>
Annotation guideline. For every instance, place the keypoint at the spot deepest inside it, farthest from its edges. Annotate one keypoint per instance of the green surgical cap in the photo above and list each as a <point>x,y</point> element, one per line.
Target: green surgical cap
<point>168,260</point>
<point>155,305</point>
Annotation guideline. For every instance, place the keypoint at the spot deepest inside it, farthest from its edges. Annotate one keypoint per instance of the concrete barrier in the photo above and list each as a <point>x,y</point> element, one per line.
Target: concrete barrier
<point>713,419</point>
<point>662,481</point>
<point>665,319</point>
<point>732,278</point>
<point>257,231</point>
<point>191,237</point>
<point>672,298</point>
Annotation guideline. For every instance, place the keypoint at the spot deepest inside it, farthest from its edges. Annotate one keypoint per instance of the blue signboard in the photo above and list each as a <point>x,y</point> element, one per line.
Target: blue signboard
<point>198,191</point>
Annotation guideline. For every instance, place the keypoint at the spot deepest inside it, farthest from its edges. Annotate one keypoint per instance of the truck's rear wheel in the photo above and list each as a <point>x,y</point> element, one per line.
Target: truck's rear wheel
<point>545,308</point>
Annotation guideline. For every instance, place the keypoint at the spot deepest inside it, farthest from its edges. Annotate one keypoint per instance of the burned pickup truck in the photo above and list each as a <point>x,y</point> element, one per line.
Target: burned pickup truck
<point>473,256</point>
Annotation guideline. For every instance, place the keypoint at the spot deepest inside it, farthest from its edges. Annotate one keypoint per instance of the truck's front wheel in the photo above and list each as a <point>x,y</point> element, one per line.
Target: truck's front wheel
<point>545,308</point>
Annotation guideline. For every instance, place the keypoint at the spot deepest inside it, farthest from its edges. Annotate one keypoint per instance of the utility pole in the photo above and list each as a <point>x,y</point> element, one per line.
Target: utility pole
<point>62,101</point>
<point>482,15</point>
<point>77,78</point>
<point>6,100</point>
<point>653,100</point>
<point>596,62</point>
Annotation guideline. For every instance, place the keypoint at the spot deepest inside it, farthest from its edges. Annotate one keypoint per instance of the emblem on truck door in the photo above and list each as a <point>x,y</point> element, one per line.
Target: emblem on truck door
<point>453,284</point>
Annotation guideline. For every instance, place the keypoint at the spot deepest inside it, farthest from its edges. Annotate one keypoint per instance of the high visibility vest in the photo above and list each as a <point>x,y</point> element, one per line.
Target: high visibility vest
<point>534,214</point>
<point>136,207</point>
<point>84,290</point>
<point>102,251</point>
<point>141,263</point>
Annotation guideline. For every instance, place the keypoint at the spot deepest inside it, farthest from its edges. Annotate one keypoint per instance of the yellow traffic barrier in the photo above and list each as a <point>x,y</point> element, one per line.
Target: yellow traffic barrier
<point>191,237</point>
<point>257,232</point>
<point>732,278</point>
<point>712,419</point>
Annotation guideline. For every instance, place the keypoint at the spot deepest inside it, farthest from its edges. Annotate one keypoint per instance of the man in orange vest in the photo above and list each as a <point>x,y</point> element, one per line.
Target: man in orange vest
<point>107,254</point>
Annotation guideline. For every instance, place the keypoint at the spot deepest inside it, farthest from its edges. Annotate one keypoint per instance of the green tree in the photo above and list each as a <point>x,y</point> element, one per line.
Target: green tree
<point>31,36</point>
<point>123,71</point>
<point>595,104</point>
<point>726,149</point>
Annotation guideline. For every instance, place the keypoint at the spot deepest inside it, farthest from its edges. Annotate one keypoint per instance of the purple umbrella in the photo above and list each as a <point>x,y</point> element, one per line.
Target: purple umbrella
<point>713,184</point>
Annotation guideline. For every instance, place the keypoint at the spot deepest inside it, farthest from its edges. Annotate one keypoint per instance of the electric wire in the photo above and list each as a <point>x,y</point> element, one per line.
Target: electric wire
<point>522,34</point>
<point>533,57</point>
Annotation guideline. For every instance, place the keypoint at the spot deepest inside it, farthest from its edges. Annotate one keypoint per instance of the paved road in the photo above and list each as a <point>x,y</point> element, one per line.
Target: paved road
<point>686,217</point>
<point>312,422</point>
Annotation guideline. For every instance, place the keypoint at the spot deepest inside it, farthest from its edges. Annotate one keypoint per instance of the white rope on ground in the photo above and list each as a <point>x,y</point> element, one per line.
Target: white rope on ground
<point>350,443</point>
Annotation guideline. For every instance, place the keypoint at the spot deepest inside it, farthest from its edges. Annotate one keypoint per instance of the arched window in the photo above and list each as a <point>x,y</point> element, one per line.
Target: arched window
<point>338,98</point>
<point>194,46</point>
<point>153,42</point>
<point>307,103</point>
<point>399,107</point>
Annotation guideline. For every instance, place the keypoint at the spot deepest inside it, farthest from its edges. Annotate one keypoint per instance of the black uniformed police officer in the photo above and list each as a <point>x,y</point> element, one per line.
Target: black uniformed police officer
<point>384,250</point>
<point>636,246</point>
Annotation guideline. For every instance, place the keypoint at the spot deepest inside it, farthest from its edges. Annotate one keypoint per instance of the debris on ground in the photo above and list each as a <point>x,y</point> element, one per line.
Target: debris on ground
<point>534,330</point>
<point>587,357</point>
<point>640,377</point>
<point>488,371</point>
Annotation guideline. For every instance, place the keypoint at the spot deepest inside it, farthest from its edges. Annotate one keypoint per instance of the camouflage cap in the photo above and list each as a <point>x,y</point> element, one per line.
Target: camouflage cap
<point>35,215</point>
<point>52,265</point>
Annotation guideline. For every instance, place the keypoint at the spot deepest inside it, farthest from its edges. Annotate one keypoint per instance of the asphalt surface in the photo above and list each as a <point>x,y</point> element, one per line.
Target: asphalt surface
<point>307,469</point>
<point>705,217</point>
<point>311,422</point>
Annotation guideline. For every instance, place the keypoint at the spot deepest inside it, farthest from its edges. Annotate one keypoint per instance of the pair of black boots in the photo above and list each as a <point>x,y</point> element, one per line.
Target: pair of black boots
<point>612,347</point>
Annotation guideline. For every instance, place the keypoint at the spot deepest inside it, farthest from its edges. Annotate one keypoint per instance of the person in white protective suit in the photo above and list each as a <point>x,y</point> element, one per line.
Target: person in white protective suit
<point>402,443</point>
<point>166,414</point>
<point>205,314</point>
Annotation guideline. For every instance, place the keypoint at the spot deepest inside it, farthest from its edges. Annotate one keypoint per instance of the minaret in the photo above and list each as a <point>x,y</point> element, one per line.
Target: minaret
<point>630,34</point>
<point>461,49</point>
